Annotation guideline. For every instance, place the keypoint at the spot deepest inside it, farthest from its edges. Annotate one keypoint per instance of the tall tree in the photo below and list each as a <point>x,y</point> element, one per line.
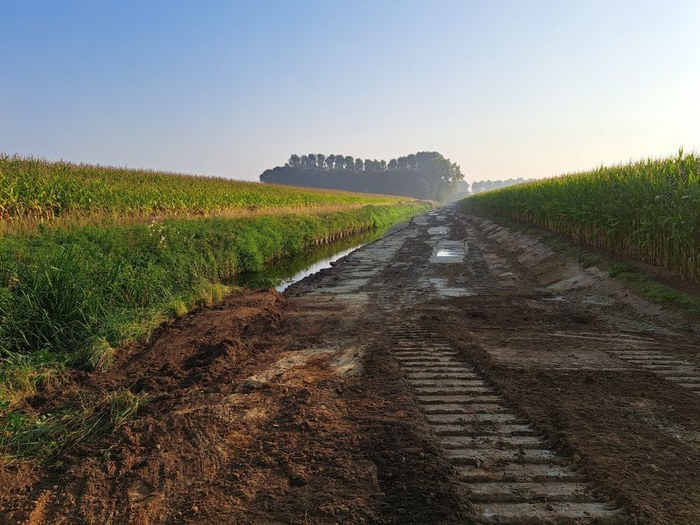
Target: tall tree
<point>425,174</point>
<point>311,160</point>
<point>411,161</point>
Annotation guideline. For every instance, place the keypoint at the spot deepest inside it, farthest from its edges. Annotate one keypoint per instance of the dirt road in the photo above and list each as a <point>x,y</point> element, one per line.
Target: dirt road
<point>452,372</point>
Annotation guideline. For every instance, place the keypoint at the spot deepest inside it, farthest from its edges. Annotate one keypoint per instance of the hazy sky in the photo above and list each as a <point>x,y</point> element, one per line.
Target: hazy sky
<point>504,88</point>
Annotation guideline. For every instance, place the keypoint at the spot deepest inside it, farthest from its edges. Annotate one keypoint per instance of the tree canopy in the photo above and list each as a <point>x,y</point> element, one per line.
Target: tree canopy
<point>424,175</point>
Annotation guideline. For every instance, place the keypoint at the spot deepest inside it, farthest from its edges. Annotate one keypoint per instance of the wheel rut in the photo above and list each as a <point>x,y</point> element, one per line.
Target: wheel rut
<point>674,369</point>
<point>647,354</point>
<point>509,473</point>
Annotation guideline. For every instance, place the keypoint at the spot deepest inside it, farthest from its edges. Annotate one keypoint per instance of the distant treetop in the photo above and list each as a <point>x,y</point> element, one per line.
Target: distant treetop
<point>488,185</point>
<point>425,175</point>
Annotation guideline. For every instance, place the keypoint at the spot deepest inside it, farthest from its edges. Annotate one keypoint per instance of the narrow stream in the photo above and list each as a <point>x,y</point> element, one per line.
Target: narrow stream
<point>285,272</point>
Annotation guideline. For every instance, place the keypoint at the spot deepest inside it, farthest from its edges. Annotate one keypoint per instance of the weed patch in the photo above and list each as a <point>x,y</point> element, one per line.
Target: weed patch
<point>44,437</point>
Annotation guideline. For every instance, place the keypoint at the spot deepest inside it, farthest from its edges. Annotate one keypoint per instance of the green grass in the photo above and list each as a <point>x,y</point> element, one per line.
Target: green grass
<point>662,294</point>
<point>76,294</point>
<point>647,211</point>
<point>620,268</point>
<point>23,375</point>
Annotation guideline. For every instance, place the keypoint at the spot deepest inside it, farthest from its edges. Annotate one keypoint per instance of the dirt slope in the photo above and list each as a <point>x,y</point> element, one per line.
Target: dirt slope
<point>270,409</point>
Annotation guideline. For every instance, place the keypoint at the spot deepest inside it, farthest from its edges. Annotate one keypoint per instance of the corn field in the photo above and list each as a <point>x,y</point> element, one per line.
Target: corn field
<point>647,211</point>
<point>35,188</point>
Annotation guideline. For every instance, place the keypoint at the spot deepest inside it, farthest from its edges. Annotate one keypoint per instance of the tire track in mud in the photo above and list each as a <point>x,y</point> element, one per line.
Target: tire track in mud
<point>646,354</point>
<point>506,469</point>
<point>509,472</point>
<point>678,371</point>
<point>639,351</point>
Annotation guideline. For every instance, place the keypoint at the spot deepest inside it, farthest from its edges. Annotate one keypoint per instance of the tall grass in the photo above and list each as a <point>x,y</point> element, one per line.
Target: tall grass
<point>77,294</point>
<point>647,211</point>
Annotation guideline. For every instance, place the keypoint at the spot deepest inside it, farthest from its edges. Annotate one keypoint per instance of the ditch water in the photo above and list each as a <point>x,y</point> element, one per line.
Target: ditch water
<point>283,273</point>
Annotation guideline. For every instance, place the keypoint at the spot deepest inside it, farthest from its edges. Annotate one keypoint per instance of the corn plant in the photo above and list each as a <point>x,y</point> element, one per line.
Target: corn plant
<point>35,189</point>
<point>647,211</point>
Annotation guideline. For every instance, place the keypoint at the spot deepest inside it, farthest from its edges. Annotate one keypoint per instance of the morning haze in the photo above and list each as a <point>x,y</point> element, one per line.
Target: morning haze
<point>504,89</point>
<point>381,306</point>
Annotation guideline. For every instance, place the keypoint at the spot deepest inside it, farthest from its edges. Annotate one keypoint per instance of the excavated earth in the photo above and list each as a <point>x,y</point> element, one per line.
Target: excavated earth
<point>454,371</point>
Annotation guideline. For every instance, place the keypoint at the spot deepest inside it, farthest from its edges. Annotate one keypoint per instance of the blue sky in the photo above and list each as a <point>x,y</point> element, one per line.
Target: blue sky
<point>504,88</point>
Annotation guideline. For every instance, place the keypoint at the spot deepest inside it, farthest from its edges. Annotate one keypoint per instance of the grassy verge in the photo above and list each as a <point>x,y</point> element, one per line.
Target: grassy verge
<point>70,297</point>
<point>632,276</point>
<point>659,293</point>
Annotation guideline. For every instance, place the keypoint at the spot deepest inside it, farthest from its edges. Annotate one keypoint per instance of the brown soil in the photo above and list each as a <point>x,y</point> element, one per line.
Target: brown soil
<point>251,419</point>
<point>633,433</point>
<point>267,409</point>
<point>663,276</point>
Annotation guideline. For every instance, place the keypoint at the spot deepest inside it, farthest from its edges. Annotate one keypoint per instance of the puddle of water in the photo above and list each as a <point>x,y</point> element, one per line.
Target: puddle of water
<point>557,299</point>
<point>438,230</point>
<point>449,252</point>
<point>314,268</point>
<point>283,273</point>
<point>443,289</point>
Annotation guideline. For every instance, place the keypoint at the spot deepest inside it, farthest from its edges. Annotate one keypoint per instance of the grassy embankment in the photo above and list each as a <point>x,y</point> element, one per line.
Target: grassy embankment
<point>647,211</point>
<point>93,257</point>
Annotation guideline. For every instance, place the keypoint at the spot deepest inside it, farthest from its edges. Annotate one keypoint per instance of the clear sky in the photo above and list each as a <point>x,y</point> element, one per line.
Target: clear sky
<point>505,88</point>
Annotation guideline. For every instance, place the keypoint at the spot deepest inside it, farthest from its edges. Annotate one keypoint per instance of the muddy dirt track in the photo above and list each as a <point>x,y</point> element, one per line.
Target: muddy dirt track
<point>452,372</point>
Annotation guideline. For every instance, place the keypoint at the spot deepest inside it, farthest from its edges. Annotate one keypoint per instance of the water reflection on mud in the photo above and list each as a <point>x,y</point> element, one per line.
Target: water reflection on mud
<point>283,273</point>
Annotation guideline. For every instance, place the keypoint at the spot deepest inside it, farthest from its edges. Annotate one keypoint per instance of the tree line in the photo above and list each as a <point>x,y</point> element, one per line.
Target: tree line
<point>424,175</point>
<point>488,185</point>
